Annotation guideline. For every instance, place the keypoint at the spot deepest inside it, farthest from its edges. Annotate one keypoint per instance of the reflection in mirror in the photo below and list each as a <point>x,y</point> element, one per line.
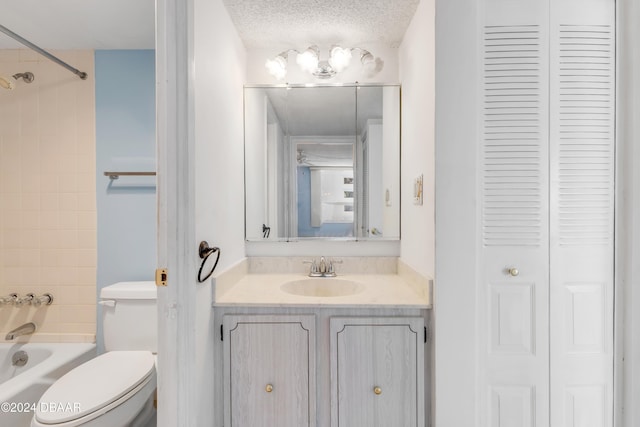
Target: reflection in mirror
<point>378,160</point>
<point>322,162</point>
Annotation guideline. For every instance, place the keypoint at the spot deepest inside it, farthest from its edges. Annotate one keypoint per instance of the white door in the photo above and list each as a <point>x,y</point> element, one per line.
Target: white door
<point>582,142</point>
<point>513,291</point>
<point>546,192</point>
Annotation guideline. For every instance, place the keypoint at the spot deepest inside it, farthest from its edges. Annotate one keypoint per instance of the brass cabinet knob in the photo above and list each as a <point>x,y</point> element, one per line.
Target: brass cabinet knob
<point>268,388</point>
<point>513,271</point>
<point>377,390</point>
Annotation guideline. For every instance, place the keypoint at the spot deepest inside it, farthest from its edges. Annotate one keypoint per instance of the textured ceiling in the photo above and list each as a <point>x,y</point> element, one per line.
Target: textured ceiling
<point>298,23</point>
<point>127,24</point>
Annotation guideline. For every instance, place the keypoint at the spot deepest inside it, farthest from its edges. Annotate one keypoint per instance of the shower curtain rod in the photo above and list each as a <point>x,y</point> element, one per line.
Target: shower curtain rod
<point>43,52</point>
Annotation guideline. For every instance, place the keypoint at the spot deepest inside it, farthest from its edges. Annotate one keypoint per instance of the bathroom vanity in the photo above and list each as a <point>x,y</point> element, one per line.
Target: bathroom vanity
<point>322,163</point>
<point>346,351</point>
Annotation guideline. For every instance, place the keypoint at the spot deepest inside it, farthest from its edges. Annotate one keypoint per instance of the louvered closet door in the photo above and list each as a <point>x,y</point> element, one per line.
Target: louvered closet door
<point>513,313</point>
<point>582,190</point>
<point>546,192</point>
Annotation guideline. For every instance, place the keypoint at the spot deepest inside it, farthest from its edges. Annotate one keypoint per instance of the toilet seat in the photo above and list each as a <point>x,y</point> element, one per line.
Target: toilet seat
<point>95,387</point>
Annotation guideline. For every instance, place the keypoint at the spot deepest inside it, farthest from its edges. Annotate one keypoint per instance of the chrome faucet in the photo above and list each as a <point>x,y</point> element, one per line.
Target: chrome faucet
<point>26,329</point>
<point>322,269</point>
<point>28,299</point>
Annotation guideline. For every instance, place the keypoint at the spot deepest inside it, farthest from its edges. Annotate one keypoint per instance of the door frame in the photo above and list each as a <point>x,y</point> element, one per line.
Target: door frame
<point>177,382</point>
<point>627,273</point>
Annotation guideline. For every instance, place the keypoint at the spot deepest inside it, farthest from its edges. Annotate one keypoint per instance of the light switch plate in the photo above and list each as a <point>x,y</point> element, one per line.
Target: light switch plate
<point>417,191</point>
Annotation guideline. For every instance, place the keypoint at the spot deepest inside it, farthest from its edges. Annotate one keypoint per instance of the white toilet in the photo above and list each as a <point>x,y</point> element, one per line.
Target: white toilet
<point>116,389</point>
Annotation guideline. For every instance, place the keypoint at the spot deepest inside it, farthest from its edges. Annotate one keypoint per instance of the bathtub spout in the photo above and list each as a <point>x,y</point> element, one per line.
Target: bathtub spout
<point>26,329</point>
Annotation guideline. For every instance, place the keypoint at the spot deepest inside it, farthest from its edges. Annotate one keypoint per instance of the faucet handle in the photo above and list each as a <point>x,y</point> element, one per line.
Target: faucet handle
<point>46,299</point>
<point>314,267</point>
<point>9,299</point>
<point>26,300</point>
<point>334,261</point>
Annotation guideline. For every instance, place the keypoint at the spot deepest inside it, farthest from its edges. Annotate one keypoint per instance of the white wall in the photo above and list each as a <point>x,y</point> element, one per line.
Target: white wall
<point>417,76</point>
<point>219,172</point>
<point>455,262</point>
<point>628,219</point>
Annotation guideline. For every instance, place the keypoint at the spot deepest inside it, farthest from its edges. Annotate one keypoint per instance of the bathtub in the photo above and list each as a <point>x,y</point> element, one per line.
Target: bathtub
<point>21,387</point>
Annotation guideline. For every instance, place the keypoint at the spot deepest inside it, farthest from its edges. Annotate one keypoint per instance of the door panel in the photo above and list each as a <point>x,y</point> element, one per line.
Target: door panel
<point>269,373</point>
<point>512,318</point>
<point>512,406</point>
<point>377,372</point>
<point>584,307</point>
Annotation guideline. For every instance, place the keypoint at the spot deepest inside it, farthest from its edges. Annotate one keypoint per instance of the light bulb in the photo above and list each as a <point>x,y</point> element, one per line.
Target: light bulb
<point>368,62</point>
<point>308,60</point>
<point>339,58</point>
<point>277,67</point>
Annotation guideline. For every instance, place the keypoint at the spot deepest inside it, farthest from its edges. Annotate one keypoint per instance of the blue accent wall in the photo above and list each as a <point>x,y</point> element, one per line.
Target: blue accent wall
<point>125,141</point>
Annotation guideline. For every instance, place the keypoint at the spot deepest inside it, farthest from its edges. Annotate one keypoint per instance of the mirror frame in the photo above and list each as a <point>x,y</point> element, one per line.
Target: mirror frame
<point>362,240</point>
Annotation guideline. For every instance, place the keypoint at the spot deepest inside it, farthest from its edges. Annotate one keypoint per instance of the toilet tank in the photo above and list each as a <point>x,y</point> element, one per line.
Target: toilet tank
<point>130,316</point>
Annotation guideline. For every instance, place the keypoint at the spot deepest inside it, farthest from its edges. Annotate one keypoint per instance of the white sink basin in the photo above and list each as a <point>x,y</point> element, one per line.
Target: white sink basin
<point>322,287</point>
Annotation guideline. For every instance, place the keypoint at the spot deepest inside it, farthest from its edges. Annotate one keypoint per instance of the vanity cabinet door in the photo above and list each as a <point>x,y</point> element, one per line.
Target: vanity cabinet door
<point>377,372</point>
<point>269,371</point>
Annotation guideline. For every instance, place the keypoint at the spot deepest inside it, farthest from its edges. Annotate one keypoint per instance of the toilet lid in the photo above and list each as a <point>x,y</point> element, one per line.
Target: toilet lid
<point>94,385</point>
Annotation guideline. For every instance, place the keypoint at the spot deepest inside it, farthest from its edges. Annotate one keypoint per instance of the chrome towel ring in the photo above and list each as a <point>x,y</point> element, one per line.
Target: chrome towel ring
<point>205,252</point>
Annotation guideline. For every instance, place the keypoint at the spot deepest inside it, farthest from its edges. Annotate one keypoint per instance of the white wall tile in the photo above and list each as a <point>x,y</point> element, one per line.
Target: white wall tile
<point>47,195</point>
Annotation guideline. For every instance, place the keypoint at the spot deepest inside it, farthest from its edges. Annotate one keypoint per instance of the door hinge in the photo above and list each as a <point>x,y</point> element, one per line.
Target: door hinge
<point>161,277</point>
<point>221,332</point>
<point>425,334</point>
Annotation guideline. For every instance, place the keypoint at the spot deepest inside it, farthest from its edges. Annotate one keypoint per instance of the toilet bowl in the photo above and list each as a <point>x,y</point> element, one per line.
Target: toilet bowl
<point>117,388</point>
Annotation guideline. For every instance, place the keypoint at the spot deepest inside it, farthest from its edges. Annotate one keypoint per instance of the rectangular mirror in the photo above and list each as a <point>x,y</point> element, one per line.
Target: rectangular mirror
<point>322,162</point>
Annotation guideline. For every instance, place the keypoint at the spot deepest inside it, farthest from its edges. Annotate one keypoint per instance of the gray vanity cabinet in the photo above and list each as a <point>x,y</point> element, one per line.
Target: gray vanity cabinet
<point>269,370</point>
<point>377,372</point>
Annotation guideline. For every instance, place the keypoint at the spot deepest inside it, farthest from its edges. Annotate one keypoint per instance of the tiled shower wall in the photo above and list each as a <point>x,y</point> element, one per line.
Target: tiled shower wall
<point>48,196</point>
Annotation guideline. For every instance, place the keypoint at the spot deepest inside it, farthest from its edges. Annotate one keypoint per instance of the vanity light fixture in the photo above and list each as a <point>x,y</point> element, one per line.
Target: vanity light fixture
<point>309,61</point>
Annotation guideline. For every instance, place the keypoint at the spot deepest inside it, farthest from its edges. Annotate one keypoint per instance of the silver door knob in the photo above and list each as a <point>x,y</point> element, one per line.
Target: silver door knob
<point>513,271</point>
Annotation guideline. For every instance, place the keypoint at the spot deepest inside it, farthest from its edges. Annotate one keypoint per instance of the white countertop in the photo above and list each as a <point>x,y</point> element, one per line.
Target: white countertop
<point>378,290</point>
